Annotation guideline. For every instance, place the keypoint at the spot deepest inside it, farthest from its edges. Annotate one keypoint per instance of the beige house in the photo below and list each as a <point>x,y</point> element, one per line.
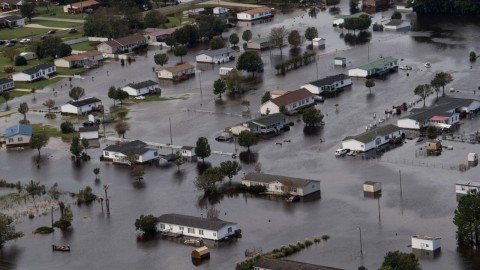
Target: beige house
<point>127,43</point>
<point>179,72</point>
<point>89,58</point>
<point>278,184</point>
<point>18,135</point>
<point>80,7</point>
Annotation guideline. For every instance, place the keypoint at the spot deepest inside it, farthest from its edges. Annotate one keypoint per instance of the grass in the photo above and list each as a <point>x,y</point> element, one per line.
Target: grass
<point>20,32</point>
<point>176,21</point>
<point>37,84</point>
<point>55,24</point>
<point>14,94</point>
<point>48,130</point>
<point>58,11</point>
<point>83,46</point>
<point>70,36</point>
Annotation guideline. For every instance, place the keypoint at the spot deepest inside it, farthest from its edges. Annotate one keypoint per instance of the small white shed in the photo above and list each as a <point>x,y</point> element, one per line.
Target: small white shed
<point>472,159</point>
<point>340,61</point>
<point>371,186</point>
<point>423,242</point>
<point>318,42</point>
<point>224,70</point>
<point>89,133</point>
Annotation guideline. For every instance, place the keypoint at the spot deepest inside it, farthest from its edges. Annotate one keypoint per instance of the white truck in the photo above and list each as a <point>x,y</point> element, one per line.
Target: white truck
<point>29,55</point>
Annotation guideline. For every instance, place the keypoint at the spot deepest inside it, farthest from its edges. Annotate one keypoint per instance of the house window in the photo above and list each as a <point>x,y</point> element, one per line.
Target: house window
<point>162,226</point>
<point>200,232</point>
<point>155,153</point>
<point>181,228</point>
<point>378,141</point>
<point>191,230</point>
<point>230,229</point>
<point>10,139</point>
<point>386,138</point>
<point>20,139</point>
<point>215,234</point>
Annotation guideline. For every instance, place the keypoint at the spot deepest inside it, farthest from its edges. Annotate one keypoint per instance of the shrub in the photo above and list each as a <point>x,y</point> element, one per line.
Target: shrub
<point>43,230</point>
<point>308,242</point>
<point>20,61</point>
<point>5,184</point>
<point>473,56</point>
<point>50,115</point>
<point>254,188</point>
<point>8,69</point>
<point>62,224</point>
<point>67,127</point>
<point>325,237</point>
<point>31,216</point>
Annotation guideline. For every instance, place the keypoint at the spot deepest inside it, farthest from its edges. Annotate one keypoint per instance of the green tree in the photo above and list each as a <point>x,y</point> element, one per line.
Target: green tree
<point>112,93</point>
<point>473,56</point>
<point>247,139</point>
<point>6,97</point>
<point>207,181</point>
<point>246,35</point>
<point>161,59</point>
<point>432,132</point>
<point>467,220</point>
<point>121,95</point>
<point>250,61</point>
<point>38,141</point>
<point>20,60</point>
<point>295,39</point>
<point>436,83</point>
<point>179,161</point>
<point>230,168</point>
<point>202,148</point>
<point>216,43</point>
<point>277,37</point>
<point>369,83</point>
<point>283,109</point>
<point>34,188</point>
<point>49,103</point>
<point>76,148</point>
<point>312,117</point>
<point>311,33</point>
<point>54,192</point>
<point>422,91</point>
<point>7,229</point>
<point>233,80</point>
<point>96,171</point>
<point>121,128</point>
<point>53,47</point>
<point>85,144</point>
<point>76,93</point>
<point>154,18</point>
<point>67,127</point>
<point>219,87</point>
<point>266,97</point>
<point>147,224</point>
<point>23,109</point>
<point>10,53</point>
<point>234,39</point>
<point>443,79</point>
<point>137,171</point>
<point>66,217</point>
<point>209,26</point>
<point>180,51</point>
<point>86,196</point>
<point>27,9</point>
<point>332,2</point>
<point>170,41</point>
<point>396,16</point>
<point>397,260</point>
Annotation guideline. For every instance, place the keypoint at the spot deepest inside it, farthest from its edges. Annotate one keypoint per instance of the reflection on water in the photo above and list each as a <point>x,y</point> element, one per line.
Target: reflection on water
<point>252,23</point>
<point>357,39</point>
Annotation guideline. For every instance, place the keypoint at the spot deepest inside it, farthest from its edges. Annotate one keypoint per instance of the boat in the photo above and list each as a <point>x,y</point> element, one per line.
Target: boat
<point>61,248</point>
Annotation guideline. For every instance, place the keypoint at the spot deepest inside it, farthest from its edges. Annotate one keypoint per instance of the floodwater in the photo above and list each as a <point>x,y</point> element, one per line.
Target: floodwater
<point>426,205</point>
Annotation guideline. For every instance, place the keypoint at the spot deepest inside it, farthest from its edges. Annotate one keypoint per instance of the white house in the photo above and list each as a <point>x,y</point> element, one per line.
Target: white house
<point>6,84</point>
<point>340,18</point>
<point>265,263</point>
<point>188,151</point>
<point>328,83</point>
<point>10,4</point>
<point>89,58</point>
<point>18,135</point>
<point>220,10</point>
<point>89,133</point>
<point>268,124</point>
<point>318,42</point>
<point>119,45</point>
<point>199,227</point>
<point>372,187</point>
<point>11,21</point>
<point>80,7</point>
<point>141,88</point>
<point>35,73</point>
<point>292,101</point>
<point>217,56</point>
<point>462,187</point>
<point>118,153</point>
<point>397,25</point>
<point>277,184</point>
<point>377,67</point>
<point>82,106</point>
<point>176,72</point>
<point>423,242</point>
<point>372,138</point>
<point>255,14</point>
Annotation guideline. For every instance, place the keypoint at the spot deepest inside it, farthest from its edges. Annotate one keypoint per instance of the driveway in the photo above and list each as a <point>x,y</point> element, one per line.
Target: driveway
<point>59,19</point>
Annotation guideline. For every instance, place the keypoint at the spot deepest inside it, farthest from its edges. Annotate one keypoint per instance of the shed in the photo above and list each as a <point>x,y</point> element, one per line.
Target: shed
<point>201,253</point>
<point>340,61</point>
<point>318,42</point>
<point>472,159</point>
<point>371,186</point>
<point>423,242</point>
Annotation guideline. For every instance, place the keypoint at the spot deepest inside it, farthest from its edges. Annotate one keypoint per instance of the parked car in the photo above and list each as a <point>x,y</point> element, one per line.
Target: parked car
<point>51,32</point>
<point>3,42</point>
<point>43,37</point>
<point>405,67</point>
<point>25,41</point>
<point>13,41</point>
<point>9,44</point>
<point>292,199</point>
<point>140,97</point>
<point>427,65</point>
<point>88,124</point>
<point>341,152</point>
<point>420,139</point>
<point>72,30</point>
<point>224,137</point>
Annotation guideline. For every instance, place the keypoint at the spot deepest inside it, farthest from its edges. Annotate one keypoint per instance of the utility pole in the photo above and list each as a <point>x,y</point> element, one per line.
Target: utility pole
<point>52,215</point>
<point>401,191</point>
<point>378,200</point>
<point>361,246</point>
<point>200,78</point>
<point>316,64</point>
<point>171,139</point>
<point>107,201</point>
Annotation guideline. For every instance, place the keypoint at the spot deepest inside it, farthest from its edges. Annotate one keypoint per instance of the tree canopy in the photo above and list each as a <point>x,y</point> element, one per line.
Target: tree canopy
<point>247,138</point>
<point>219,87</point>
<point>422,91</point>
<point>207,181</point>
<point>230,168</point>
<point>38,141</point>
<point>397,260</point>
<point>312,117</point>
<point>311,33</point>
<point>294,39</point>
<point>370,83</point>
<point>181,51</point>
<point>441,79</point>
<point>76,93</point>
<point>277,37</point>
<point>216,43</point>
<point>250,61</point>
<point>467,219</point>
<point>461,7</point>
<point>160,59</point>
<point>234,39</point>
<point>147,224</point>
<point>154,18</point>
<point>7,229</point>
<point>246,35</point>
<point>202,148</point>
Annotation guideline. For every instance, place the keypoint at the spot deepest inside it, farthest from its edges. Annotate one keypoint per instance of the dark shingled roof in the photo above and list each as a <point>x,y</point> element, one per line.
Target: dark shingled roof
<point>88,129</point>
<point>5,80</point>
<point>213,224</point>
<point>269,119</point>
<point>286,180</point>
<point>329,80</point>
<point>143,84</point>
<point>84,101</point>
<point>36,69</point>
<point>186,147</point>
<point>444,105</point>
<point>216,52</point>
<point>374,133</point>
<point>278,264</point>
<point>134,147</point>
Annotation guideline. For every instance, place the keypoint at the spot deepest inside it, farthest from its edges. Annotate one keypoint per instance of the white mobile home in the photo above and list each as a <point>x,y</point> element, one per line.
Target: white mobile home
<point>29,55</point>
<point>118,153</point>
<point>377,67</point>
<point>373,138</point>
<point>220,10</point>
<point>340,61</point>
<point>175,72</point>
<point>328,83</point>
<point>41,71</point>
<point>318,42</point>
<point>291,100</point>
<point>277,184</point>
<point>6,84</point>
<point>218,56</point>
<point>89,133</point>
<point>82,106</point>
<point>224,70</point>
<point>255,14</point>
<point>462,187</point>
<point>206,228</point>
<point>372,187</point>
<point>423,242</point>
<point>141,88</point>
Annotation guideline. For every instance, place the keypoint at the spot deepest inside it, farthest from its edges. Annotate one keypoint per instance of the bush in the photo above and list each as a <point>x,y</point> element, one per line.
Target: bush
<point>254,189</point>
<point>62,224</point>
<point>308,242</point>
<point>67,127</point>
<point>31,216</point>
<point>473,56</point>
<point>20,61</point>
<point>43,230</point>
<point>50,115</point>
<point>5,184</point>
<point>317,240</point>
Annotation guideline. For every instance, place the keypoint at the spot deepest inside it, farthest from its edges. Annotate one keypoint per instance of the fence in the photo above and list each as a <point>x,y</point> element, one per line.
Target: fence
<point>421,163</point>
<point>75,41</point>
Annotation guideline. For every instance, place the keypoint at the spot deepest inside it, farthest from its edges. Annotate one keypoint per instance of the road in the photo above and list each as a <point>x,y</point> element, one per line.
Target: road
<point>59,19</point>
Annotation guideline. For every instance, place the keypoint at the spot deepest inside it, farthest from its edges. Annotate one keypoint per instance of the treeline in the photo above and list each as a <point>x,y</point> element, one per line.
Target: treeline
<point>470,7</point>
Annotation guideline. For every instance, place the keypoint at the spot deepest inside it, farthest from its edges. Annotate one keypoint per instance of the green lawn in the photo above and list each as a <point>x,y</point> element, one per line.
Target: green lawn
<point>14,94</point>
<point>38,84</point>
<point>20,32</point>
<point>58,11</point>
<point>69,36</point>
<point>55,23</point>
<point>176,21</point>
<point>49,130</point>
<point>83,46</point>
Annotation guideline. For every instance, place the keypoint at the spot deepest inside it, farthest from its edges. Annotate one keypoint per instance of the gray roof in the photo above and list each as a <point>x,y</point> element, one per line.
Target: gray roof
<point>88,129</point>
<point>5,80</point>
<point>374,133</point>
<point>11,18</point>
<point>213,224</point>
<point>84,101</point>
<point>329,80</point>
<point>279,264</point>
<point>37,68</point>
<point>286,180</point>
<point>134,147</point>
<point>444,107</point>
<point>143,84</point>
<point>186,147</point>
<point>269,120</point>
<point>216,52</point>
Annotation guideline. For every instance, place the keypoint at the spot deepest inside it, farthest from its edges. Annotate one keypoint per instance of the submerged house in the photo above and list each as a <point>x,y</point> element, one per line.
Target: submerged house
<point>372,138</point>
<point>292,101</point>
<point>119,153</point>
<point>265,263</point>
<point>18,135</point>
<point>278,184</point>
<point>377,67</point>
<point>328,83</point>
